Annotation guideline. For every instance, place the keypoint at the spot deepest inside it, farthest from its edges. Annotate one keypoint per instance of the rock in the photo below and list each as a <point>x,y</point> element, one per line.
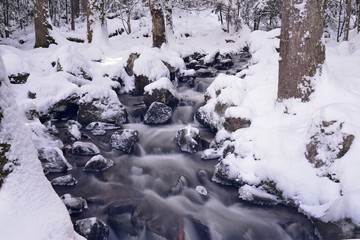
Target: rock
<point>124,140</point>
<point>257,195</point>
<point>236,118</point>
<point>73,203</point>
<point>157,113</point>
<point>65,108</point>
<point>67,180</point>
<point>19,78</point>
<point>122,225</point>
<point>162,91</point>
<point>74,132</point>
<point>179,185</point>
<point>201,190</point>
<point>99,128</point>
<point>98,164</point>
<point>206,72</point>
<point>53,160</point>
<point>102,109</point>
<point>73,122</point>
<point>92,229</point>
<point>68,59</point>
<point>327,143</point>
<point>224,64</point>
<point>140,82</point>
<point>187,76</point>
<point>84,149</point>
<point>130,63</point>
<point>212,58</point>
<point>188,138</point>
<point>211,154</point>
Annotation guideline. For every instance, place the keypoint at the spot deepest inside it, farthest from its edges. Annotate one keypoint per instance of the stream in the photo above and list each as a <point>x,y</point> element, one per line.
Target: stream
<point>153,193</point>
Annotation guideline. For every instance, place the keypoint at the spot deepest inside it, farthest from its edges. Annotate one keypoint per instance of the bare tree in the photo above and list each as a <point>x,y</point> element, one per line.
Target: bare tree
<point>158,23</point>
<point>301,49</point>
<point>42,25</point>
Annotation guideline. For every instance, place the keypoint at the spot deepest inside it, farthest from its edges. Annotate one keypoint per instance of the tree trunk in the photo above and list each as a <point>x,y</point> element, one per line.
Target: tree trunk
<point>168,7</point>
<point>301,49</point>
<point>158,23</point>
<point>73,14</point>
<point>42,25</point>
<point>96,21</point>
<point>347,20</point>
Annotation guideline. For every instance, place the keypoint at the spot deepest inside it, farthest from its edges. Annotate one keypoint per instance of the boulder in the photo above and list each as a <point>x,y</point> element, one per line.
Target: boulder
<point>206,72</point>
<point>327,143</point>
<point>157,113</point>
<point>162,90</point>
<point>67,180</point>
<point>84,149</point>
<point>104,109</point>
<point>98,164</point>
<point>124,140</point>
<point>99,128</point>
<point>187,76</point>
<point>236,118</point>
<point>53,160</point>
<point>65,108</point>
<point>92,229</point>
<point>188,138</point>
<point>73,203</point>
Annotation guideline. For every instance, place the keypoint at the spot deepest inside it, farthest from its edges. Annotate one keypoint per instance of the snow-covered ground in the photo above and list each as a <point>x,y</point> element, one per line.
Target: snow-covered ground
<point>272,150</point>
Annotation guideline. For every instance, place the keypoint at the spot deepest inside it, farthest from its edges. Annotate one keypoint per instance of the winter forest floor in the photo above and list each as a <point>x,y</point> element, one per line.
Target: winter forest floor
<point>300,154</point>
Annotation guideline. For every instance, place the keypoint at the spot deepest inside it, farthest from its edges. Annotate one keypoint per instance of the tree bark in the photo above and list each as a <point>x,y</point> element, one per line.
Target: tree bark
<point>96,20</point>
<point>301,49</point>
<point>158,23</point>
<point>168,7</point>
<point>42,25</point>
<point>347,20</point>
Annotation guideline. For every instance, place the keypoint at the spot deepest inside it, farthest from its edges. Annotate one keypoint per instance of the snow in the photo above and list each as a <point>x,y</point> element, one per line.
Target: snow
<point>26,192</point>
<point>272,149</point>
<point>162,83</point>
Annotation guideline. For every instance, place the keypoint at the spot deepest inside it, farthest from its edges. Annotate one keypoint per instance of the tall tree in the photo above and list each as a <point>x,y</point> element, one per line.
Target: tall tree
<point>158,23</point>
<point>301,49</point>
<point>168,7</point>
<point>347,20</point>
<point>96,21</point>
<point>75,12</point>
<point>42,25</point>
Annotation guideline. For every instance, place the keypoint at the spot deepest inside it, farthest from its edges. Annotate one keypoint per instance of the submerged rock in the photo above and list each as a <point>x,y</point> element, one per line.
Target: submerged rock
<point>73,203</point>
<point>201,190</point>
<point>53,160</point>
<point>179,185</point>
<point>124,140</point>
<point>84,149</point>
<point>158,113</point>
<point>92,229</point>
<point>188,138</point>
<point>98,164</point>
<point>67,180</point>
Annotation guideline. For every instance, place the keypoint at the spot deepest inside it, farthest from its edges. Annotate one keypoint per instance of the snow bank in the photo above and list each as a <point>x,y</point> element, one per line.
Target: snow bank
<point>26,192</point>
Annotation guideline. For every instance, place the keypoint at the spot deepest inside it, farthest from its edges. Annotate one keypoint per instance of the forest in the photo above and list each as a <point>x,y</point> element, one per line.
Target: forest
<point>179,119</point>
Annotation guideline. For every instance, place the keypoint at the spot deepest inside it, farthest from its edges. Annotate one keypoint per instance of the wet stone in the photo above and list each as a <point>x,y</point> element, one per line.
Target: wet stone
<point>67,180</point>
<point>98,164</point>
<point>92,229</point>
<point>188,138</point>
<point>124,140</point>
<point>99,128</point>
<point>73,203</point>
<point>53,160</point>
<point>84,149</point>
<point>158,113</point>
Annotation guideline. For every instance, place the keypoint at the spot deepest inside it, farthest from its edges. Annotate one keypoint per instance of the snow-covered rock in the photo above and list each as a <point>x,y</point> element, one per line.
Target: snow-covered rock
<point>124,140</point>
<point>74,132</point>
<point>157,113</point>
<point>187,76</point>
<point>67,180</point>
<point>206,72</point>
<point>236,118</point>
<point>92,229</point>
<point>84,148</point>
<point>17,68</point>
<point>100,104</point>
<point>68,59</point>
<point>98,163</point>
<point>73,203</point>
<point>201,190</point>
<point>161,90</point>
<point>188,138</point>
<point>99,128</point>
<point>53,160</point>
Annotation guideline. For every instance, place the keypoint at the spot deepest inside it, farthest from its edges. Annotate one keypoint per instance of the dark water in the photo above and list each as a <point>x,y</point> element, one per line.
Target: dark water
<point>151,194</point>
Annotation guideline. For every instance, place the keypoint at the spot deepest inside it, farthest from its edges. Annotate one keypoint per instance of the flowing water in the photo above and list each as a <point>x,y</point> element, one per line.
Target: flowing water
<point>150,194</point>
